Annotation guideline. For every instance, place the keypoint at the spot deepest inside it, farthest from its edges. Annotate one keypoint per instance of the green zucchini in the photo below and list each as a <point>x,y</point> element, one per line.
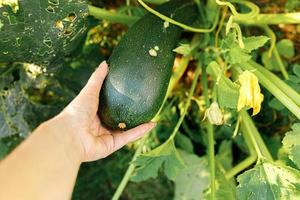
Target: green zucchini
<point>140,67</point>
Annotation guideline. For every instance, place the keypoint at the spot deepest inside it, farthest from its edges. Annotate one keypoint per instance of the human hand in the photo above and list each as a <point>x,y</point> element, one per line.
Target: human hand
<point>80,121</point>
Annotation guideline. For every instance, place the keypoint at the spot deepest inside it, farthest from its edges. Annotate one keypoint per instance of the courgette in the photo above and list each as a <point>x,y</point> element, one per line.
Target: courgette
<point>140,67</point>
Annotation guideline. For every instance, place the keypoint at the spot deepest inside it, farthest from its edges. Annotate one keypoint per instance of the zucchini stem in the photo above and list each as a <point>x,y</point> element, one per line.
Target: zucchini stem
<point>210,137</point>
<point>257,141</point>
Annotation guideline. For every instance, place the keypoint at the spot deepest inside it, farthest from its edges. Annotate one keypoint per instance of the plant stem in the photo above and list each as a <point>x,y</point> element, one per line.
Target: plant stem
<point>241,166</point>
<point>128,4</point>
<point>224,13</point>
<point>184,26</point>
<point>280,63</point>
<point>278,18</point>
<point>273,51</point>
<point>210,135</point>
<point>187,103</point>
<point>130,170</point>
<point>101,13</point>
<point>254,9</point>
<point>258,143</point>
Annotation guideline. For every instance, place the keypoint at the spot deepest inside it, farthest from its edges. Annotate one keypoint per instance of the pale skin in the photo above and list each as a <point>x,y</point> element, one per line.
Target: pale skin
<point>46,164</point>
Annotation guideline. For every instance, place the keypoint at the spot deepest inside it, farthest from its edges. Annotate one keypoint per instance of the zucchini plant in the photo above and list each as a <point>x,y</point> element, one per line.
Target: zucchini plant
<point>221,79</point>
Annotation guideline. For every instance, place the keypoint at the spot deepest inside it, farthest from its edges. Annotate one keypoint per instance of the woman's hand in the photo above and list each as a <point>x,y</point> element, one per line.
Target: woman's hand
<point>82,127</point>
<point>54,151</point>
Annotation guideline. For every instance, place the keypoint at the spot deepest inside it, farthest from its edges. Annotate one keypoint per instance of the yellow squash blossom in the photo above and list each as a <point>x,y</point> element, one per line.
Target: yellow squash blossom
<point>250,95</point>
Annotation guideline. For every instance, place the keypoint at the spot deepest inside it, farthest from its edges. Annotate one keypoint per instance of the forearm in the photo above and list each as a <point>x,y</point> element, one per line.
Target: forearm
<point>43,167</point>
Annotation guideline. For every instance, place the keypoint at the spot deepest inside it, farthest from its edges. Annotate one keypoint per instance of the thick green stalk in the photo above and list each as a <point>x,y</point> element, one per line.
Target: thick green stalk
<point>241,166</point>
<point>130,170</point>
<point>101,13</point>
<point>258,143</point>
<point>264,19</point>
<point>211,140</point>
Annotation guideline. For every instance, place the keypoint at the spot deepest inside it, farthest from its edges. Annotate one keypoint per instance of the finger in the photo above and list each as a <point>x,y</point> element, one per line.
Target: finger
<point>88,99</point>
<point>95,82</point>
<point>121,139</point>
<point>92,88</point>
<point>108,143</point>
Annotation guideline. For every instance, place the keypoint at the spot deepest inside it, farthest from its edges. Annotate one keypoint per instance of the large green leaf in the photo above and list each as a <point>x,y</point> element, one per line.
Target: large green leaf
<point>164,157</point>
<point>269,181</point>
<point>41,31</point>
<point>291,142</point>
<point>193,180</point>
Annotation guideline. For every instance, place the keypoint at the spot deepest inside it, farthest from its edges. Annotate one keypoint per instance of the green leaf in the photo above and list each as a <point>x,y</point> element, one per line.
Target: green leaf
<point>254,42</point>
<point>13,108</point>
<point>184,142</point>
<point>224,155</point>
<point>41,31</point>
<point>235,54</point>
<point>192,180</point>
<point>227,91</point>
<point>291,142</point>
<point>163,157</point>
<point>269,180</point>
<point>286,48</point>
<point>183,49</point>
<point>292,5</point>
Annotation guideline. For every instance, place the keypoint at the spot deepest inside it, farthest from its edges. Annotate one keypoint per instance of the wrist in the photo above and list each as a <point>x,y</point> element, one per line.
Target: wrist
<point>63,138</point>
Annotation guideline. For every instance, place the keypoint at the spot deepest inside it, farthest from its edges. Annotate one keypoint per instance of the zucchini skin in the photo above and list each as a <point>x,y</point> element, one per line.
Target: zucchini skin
<point>137,82</point>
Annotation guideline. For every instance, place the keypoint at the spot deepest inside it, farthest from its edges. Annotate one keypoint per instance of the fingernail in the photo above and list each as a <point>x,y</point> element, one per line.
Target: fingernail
<point>103,63</point>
